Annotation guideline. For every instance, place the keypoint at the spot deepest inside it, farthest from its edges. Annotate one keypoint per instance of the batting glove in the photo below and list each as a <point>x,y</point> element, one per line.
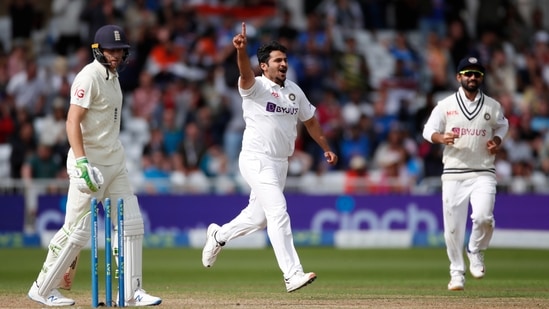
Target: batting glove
<point>87,178</point>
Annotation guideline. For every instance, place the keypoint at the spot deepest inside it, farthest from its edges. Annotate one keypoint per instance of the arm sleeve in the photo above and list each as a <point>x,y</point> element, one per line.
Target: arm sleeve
<point>434,124</point>
<point>502,125</point>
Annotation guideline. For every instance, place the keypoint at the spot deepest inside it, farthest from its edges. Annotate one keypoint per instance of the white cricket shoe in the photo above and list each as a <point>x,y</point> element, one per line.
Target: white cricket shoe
<point>140,299</point>
<point>53,299</point>
<point>212,246</point>
<point>299,280</point>
<point>476,264</point>
<point>457,283</point>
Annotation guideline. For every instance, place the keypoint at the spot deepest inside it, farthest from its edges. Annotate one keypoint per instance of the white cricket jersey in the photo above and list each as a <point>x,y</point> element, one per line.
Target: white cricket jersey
<point>476,122</point>
<point>271,113</point>
<point>101,95</point>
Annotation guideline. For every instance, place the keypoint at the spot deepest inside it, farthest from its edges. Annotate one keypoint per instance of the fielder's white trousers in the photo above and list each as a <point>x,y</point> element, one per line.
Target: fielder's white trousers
<point>266,208</point>
<point>480,192</point>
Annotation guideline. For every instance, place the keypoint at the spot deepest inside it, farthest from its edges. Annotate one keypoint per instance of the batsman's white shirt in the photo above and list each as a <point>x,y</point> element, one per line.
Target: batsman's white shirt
<point>476,122</point>
<point>101,95</point>
<point>271,113</point>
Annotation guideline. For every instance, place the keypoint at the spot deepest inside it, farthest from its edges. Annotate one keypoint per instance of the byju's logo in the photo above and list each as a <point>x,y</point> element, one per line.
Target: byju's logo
<point>273,108</point>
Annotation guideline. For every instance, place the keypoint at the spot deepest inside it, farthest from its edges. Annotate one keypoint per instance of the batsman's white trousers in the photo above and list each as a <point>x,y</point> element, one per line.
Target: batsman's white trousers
<point>266,208</point>
<point>480,192</point>
<point>116,185</point>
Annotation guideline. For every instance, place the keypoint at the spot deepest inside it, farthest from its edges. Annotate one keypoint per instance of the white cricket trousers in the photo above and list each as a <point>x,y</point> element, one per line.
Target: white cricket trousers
<point>117,185</point>
<point>266,208</point>
<point>480,192</point>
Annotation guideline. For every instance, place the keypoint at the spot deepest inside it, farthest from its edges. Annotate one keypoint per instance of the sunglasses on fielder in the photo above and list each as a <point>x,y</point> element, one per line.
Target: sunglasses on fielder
<point>469,73</point>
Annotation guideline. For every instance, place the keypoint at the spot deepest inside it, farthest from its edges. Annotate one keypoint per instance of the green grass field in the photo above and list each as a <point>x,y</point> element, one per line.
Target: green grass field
<point>407,278</point>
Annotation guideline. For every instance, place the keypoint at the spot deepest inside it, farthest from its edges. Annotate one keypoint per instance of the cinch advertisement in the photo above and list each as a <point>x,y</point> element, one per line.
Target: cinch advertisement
<point>315,219</point>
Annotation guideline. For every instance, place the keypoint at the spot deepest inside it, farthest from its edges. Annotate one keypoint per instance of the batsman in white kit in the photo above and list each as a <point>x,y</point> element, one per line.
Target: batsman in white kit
<point>272,107</point>
<point>472,126</point>
<point>97,168</point>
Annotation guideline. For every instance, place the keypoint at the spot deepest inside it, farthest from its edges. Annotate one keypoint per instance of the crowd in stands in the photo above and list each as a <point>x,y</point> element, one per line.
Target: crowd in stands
<point>374,70</point>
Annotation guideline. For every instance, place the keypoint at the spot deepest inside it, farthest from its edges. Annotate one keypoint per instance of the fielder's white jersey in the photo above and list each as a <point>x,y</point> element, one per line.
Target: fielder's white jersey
<point>476,122</point>
<point>101,95</point>
<point>271,113</point>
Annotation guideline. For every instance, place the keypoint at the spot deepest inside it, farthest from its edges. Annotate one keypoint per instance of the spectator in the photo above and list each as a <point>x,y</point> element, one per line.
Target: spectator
<point>173,134</point>
<point>7,124</point>
<point>192,147</point>
<point>356,107</point>
<point>17,59</point>
<point>138,15</point>
<point>394,144</point>
<point>146,99</point>
<point>397,89</point>
<point>98,13</point>
<point>285,27</point>
<point>457,40</point>
<point>504,168</point>
<point>356,176</point>
<point>60,79</point>
<point>43,164</point>
<point>355,143</point>
<point>517,148</point>
<point>164,57</point>
<point>28,90</point>
<point>67,25</point>
<point>501,77</point>
<point>352,72</point>
<point>51,131</point>
<point>534,95</point>
<point>315,45</point>
<point>402,52</point>
<point>344,15</point>
<point>299,163</point>
<point>156,172</point>
<point>22,13</point>
<point>390,177</point>
<point>331,121</point>
<point>438,63</point>
<point>23,145</point>
<point>485,45</point>
<point>432,18</point>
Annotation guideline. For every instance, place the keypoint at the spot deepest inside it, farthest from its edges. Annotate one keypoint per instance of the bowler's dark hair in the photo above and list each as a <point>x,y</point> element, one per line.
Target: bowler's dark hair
<point>264,51</point>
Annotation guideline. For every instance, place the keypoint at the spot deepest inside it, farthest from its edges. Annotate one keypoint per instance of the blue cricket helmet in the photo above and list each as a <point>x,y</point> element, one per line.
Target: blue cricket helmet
<point>110,37</point>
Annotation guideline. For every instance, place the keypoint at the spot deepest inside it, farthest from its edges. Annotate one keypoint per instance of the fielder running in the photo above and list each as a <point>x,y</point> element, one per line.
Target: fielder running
<point>97,168</point>
<point>272,107</point>
<point>472,126</point>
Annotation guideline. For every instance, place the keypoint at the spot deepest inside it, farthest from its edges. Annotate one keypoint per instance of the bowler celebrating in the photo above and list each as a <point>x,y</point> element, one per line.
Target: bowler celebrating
<point>272,107</point>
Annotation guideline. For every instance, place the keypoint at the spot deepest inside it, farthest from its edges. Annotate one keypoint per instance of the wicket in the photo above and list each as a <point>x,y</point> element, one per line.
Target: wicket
<point>108,253</point>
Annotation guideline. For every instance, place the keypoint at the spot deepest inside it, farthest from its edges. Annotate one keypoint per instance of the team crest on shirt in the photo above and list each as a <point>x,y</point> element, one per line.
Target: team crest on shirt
<point>291,96</point>
<point>487,116</point>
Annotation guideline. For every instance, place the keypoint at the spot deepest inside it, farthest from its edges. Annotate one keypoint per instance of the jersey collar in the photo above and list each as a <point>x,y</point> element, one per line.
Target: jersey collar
<point>270,82</point>
<point>462,94</point>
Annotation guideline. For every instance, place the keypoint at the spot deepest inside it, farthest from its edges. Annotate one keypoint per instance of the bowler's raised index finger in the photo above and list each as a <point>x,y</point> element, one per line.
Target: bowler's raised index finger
<point>244,29</point>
